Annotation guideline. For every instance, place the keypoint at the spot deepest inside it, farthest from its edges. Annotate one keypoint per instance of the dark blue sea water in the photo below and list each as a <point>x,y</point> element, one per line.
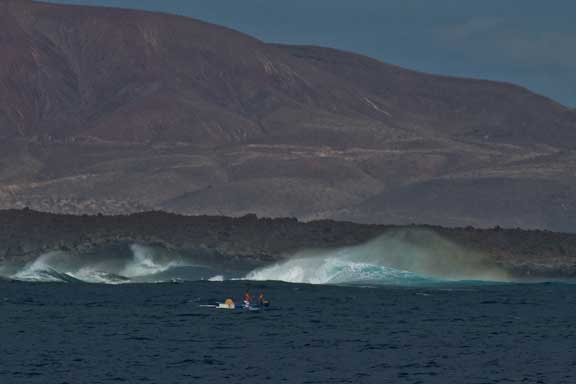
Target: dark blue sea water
<point>157,333</point>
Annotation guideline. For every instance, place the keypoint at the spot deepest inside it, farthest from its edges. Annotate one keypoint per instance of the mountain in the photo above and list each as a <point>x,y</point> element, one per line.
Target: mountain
<point>114,111</point>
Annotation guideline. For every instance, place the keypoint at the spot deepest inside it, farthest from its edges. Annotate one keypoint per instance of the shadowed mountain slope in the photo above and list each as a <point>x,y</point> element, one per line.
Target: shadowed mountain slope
<point>117,110</point>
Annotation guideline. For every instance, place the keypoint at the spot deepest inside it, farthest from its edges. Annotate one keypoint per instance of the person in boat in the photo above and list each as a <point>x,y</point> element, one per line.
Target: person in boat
<point>247,299</point>
<point>262,302</point>
<point>230,303</point>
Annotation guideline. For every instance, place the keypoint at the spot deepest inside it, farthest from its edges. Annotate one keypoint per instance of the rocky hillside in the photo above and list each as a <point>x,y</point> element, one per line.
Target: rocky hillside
<point>115,111</point>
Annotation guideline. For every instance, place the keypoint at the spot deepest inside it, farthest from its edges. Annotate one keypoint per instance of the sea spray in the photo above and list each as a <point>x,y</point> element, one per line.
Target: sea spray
<point>146,261</point>
<point>107,268</point>
<point>399,257</point>
<point>48,267</point>
<point>404,256</point>
<point>335,271</point>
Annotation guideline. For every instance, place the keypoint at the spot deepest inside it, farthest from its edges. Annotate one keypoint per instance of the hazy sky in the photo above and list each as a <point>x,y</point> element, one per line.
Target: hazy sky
<point>529,42</point>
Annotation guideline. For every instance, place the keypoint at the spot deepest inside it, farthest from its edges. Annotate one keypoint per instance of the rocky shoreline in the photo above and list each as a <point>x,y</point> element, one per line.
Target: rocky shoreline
<point>251,241</point>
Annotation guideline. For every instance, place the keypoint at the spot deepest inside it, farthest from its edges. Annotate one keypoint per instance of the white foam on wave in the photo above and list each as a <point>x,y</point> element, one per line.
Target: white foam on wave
<point>40,270</point>
<point>144,263</point>
<point>62,267</point>
<point>401,257</point>
<point>332,270</point>
<point>88,275</point>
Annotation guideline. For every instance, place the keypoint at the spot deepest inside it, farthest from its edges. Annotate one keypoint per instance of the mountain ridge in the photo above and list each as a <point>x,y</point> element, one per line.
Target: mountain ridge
<point>115,110</point>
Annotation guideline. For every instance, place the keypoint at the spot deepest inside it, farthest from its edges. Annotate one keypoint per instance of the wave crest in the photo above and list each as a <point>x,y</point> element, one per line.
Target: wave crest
<point>401,257</point>
<point>61,267</point>
<point>408,256</point>
<point>334,271</point>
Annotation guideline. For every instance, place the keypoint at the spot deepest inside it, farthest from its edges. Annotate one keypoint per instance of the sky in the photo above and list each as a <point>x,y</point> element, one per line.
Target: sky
<point>527,42</point>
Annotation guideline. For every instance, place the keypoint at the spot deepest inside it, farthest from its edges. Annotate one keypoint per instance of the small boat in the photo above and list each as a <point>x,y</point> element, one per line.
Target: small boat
<point>230,305</point>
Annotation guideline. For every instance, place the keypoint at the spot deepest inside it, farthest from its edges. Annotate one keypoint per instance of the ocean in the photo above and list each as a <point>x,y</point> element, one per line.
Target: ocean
<point>421,332</point>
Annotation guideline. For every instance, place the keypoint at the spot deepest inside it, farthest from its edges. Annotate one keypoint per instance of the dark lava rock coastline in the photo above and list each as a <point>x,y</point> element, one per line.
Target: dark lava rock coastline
<point>251,241</point>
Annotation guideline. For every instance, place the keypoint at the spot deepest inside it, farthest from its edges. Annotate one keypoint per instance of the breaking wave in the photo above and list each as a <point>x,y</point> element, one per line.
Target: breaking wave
<point>145,265</point>
<point>403,257</point>
<point>334,271</point>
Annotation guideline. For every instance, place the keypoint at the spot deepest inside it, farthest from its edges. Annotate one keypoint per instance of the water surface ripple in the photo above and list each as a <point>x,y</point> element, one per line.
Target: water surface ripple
<point>157,333</point>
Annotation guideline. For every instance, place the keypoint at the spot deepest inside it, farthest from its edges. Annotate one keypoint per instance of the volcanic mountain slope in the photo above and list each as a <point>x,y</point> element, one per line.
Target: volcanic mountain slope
<point>110,110</point>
